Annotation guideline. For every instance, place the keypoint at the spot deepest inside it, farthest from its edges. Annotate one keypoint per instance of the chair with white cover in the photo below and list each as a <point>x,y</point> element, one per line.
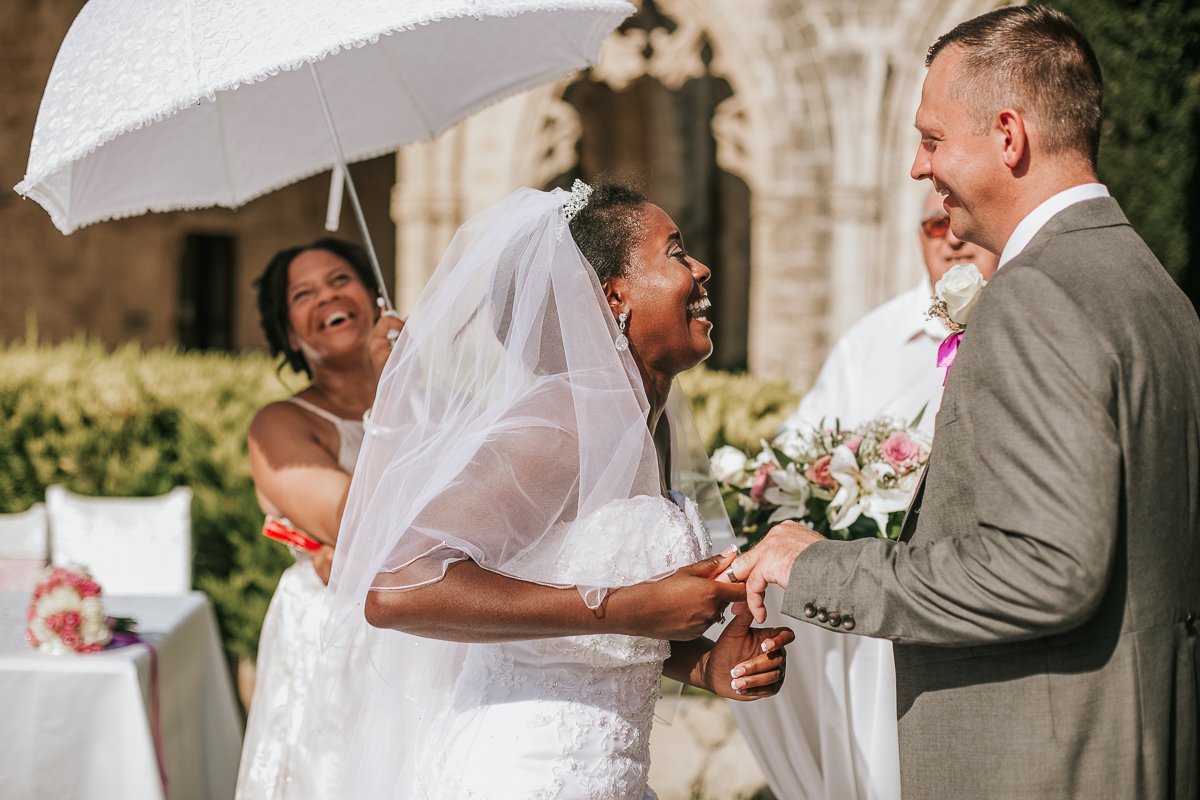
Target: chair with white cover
<point>23,548</point>
<point>132,545</point>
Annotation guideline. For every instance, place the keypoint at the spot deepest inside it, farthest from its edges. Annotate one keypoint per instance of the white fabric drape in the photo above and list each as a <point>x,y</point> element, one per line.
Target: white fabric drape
<point>832,732</point>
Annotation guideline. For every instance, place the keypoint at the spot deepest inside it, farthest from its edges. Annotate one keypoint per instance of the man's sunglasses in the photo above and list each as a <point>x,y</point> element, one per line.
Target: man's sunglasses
<point>936,227</point>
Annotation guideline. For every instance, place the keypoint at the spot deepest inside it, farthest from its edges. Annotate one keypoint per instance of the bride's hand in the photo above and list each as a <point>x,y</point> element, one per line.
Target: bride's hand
<point>679,607</point>
<point>747,663</point>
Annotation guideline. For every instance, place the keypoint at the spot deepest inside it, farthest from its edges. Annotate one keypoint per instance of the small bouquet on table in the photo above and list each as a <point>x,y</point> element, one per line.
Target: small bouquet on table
<point>66,614</point>
<point>844,484</point>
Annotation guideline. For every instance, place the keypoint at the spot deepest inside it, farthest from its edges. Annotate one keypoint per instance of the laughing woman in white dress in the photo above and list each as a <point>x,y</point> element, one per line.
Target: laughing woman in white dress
<point>318,312</point>
<point>524,529</point>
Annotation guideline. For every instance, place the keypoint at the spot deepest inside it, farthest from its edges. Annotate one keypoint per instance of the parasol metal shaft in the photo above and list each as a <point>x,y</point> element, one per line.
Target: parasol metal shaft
<point>340,157</point>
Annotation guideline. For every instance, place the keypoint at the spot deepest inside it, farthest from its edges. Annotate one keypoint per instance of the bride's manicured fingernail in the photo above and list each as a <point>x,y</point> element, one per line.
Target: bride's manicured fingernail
<point>768,646</point>
<point>737,672</point>
<point>738,686</point>
<point>729,550</point>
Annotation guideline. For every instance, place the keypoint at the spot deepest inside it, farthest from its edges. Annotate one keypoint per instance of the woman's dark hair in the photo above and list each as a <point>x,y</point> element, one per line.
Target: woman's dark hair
<point>609,227</point>
<point>272,294</point>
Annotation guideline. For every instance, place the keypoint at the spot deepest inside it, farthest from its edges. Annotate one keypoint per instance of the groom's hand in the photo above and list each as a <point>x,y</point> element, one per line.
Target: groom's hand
<point>770,561</point>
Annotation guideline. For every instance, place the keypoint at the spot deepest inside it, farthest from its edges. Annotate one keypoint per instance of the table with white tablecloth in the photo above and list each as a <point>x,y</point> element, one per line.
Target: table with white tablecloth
<point>83,726</point>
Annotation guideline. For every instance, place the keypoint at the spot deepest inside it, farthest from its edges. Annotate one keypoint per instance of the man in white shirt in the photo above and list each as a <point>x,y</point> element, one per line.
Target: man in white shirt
<point>836,737</point>
<point>886,363</point>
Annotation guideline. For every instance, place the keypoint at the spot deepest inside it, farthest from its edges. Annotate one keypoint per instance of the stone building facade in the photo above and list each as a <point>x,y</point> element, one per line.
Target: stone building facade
<point>815,126</point>
<point>159,278</point>
<point>778,133</point>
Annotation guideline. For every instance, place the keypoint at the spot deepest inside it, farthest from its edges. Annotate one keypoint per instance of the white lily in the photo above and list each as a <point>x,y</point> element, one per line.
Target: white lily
<point>845,507</point>
<point>790,492</point>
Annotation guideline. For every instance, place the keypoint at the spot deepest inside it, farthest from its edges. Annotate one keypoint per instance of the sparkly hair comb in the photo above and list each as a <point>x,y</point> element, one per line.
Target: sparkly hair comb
<point>580,192</point>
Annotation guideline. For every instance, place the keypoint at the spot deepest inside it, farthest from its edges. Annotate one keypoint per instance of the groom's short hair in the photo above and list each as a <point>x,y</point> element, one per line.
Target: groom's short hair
<point>1036,60</point>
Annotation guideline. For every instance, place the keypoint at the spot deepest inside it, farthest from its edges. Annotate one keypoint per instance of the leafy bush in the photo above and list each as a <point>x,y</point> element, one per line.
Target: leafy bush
<point>136,422</point>
<point>737,409</point>
<point>1150,140</point>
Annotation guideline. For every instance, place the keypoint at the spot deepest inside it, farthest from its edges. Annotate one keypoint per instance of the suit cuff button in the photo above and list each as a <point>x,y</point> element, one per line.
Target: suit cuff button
<point>822,615</point>
<point>835,618</point>
<point>848,623</point>
<point>810,610</point>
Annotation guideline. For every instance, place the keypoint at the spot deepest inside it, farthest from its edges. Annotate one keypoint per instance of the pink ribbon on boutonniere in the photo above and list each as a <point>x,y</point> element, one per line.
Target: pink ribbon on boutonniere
<point>947,350</point>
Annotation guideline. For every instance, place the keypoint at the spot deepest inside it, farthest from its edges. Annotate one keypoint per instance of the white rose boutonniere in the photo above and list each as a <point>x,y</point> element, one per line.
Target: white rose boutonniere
<point>955,296</point>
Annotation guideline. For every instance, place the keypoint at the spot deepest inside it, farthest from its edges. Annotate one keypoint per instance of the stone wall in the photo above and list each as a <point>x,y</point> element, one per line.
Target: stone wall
<point>119,281</point>
<point>818,128</point>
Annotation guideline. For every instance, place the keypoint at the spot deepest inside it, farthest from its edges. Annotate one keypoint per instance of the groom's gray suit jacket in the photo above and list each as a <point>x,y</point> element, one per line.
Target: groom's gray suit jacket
<point>1046,601</point>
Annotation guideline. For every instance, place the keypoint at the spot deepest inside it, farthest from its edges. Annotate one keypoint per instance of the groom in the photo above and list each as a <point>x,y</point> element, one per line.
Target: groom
<point>1044,598</point>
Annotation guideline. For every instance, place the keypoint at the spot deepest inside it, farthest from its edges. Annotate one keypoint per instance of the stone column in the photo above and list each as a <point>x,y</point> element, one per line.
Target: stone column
<point>427,207</point>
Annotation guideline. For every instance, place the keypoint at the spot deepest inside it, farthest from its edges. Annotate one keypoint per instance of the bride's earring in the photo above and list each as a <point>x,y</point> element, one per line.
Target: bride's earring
<point>622,341</point>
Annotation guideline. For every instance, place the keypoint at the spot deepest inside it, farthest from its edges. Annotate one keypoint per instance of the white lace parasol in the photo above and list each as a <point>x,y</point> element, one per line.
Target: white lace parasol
<point>180,104</point>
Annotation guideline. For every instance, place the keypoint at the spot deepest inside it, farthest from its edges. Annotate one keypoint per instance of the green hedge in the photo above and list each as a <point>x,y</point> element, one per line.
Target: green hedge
<point>736,408</point>
<point>1150,139</point>
<point>138,422</point>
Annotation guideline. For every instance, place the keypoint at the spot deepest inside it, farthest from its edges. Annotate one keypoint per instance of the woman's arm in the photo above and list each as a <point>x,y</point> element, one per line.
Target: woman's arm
<point>295,473</point>
<point>472,604</point>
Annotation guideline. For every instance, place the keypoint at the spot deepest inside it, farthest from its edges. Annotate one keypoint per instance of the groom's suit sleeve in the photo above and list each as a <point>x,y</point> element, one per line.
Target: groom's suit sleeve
<point>1027,447</point>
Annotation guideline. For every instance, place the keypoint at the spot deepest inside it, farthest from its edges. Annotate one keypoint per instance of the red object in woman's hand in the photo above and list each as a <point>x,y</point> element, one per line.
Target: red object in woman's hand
<point>281,530</point>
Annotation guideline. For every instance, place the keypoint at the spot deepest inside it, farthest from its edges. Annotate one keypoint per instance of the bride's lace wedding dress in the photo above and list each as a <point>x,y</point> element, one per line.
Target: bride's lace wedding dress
<point>566,717</point>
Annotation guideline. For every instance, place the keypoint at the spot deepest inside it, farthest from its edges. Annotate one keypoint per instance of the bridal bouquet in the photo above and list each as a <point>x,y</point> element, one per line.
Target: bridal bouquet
<point>844,484</point>
<point>66,614</point>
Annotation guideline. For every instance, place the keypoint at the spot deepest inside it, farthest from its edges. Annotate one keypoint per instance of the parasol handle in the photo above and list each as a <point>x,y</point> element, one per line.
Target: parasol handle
<point>358,212</point>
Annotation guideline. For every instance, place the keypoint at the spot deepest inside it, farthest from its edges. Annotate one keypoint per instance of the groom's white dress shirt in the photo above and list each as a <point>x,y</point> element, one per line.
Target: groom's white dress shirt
<point>885,364</point>
<point>1035,220</point>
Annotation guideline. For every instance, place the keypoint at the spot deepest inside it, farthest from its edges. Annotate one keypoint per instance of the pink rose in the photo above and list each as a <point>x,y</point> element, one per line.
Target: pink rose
<point>89,589</point>
<point>70,639</point>
<point>818,473</point>
<point>760,482</point>
<point>71,619</point>
<point>901,452</point>
<point>54,623</point>
<point>853,442</point>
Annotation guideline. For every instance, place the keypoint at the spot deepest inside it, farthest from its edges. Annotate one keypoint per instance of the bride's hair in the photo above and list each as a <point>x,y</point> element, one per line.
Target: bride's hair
<point>609,227</point>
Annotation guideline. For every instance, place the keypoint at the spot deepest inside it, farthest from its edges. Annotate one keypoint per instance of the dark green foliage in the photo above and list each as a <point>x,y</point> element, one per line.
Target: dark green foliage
<point>135,422</point>
<point>1150,143</point>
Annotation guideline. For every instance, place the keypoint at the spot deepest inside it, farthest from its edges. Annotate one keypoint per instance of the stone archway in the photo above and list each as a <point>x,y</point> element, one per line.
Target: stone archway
<point>818,125</point>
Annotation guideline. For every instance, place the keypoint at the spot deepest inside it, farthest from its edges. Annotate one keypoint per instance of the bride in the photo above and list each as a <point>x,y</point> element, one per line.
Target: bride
<point>522,530</point>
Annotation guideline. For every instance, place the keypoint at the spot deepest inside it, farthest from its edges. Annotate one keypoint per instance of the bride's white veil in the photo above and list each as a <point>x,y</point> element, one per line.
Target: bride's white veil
<point>504,415</point>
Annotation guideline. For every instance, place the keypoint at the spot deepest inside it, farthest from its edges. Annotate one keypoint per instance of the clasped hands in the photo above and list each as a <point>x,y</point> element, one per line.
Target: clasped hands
<point>744,663</point>
<point>770,561</point>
